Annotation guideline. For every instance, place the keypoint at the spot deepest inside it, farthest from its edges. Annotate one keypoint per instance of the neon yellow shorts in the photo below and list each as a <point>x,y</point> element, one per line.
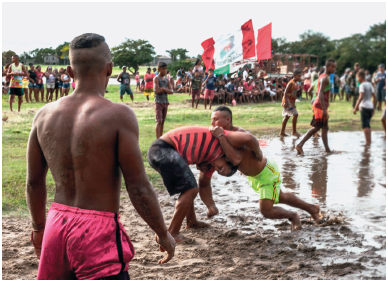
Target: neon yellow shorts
<point>149,91</point>
<point>267,183</point>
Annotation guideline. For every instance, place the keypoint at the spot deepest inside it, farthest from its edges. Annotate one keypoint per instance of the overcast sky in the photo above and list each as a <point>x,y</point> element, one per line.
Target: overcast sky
<point>177,25</point>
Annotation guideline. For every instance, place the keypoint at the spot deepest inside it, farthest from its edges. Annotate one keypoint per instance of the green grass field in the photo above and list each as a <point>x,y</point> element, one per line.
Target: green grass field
<point>260,119</point>
<point>116,70</point>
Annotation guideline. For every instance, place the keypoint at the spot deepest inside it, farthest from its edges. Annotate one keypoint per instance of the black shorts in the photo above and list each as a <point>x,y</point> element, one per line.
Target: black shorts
<point>176,173</point>
<point>366,115</point>
<point>16,91</point>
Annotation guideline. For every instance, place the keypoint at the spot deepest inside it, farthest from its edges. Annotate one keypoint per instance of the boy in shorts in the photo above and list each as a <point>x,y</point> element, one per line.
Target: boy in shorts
<point>149,85</point>
<point>288,103</point>
<point>210,79</point>
<point>264,177</point>
<point>137,78</point>
<point>125,83</point>
<point>365,105</point>
<point>195,89</point>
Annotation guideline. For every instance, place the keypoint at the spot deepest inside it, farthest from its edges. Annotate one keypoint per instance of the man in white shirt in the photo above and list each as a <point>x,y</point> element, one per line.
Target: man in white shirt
<point>245,73</point>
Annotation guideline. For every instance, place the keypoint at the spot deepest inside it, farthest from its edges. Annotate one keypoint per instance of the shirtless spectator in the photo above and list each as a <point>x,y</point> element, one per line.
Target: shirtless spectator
<point>83,237</point>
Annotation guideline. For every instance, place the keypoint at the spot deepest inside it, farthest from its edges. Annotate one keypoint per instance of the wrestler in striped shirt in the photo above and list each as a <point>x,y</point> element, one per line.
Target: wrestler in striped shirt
<point>171,156</point>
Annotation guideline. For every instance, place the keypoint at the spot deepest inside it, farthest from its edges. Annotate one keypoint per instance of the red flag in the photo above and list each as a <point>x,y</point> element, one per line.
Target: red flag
<point>208,53</point>
<point>263,47</point>
<point>248,42</point>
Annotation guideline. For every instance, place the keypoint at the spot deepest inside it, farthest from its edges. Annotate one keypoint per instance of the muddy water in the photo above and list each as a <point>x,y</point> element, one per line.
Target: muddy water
<point>350,183</point>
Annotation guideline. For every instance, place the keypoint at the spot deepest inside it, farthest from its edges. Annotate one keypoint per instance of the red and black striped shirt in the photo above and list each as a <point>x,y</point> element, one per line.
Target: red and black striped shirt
<point>196,144</point>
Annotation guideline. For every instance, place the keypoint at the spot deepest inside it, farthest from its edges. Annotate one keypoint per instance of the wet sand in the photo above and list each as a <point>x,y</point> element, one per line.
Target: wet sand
<point>241,244</point>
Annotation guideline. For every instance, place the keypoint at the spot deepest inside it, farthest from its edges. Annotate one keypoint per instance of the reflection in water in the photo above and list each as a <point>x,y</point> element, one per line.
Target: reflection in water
<point>365,176</point>
<point>318,178</point>
<point>289,167</point>
<point>318,175</point>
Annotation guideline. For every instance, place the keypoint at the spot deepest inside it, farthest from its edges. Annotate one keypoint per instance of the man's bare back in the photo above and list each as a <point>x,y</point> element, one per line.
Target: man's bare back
<point>79,138</point>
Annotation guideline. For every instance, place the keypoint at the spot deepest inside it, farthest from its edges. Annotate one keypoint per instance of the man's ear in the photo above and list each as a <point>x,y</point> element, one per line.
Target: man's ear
<point>109,69</point>
<point>70,71</point>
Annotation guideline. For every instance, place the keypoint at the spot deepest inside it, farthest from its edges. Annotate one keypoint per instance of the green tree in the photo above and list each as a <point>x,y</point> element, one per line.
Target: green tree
<point>133,53</point>
<point>176,54</point>
<point>7,57</point>
<point>25,56</point>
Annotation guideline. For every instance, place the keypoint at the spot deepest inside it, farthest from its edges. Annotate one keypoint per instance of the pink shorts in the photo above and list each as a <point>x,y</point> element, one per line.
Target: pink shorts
<point>85,244</point>
<point>209,94</point>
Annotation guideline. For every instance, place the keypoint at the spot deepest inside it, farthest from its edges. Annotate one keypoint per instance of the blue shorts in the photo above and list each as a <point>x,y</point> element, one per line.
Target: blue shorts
<point>336,90</point>
<point>31,85</point>
<point>66,85</point>
<point>380,94</point>
<point>39,86</point>
<point>123,90</point>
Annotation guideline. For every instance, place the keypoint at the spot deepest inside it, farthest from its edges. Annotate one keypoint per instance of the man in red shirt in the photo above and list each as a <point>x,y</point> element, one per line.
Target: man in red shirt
<point>320,108</point>
<point>149,87</point>
<point>171,155</point>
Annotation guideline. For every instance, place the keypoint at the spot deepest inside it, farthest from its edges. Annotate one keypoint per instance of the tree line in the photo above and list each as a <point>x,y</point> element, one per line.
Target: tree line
<point>367,49</point>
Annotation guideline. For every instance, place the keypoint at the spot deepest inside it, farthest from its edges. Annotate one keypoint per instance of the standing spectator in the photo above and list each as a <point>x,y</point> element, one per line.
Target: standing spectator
<point>155,71</point>
<point>137,78</point>
<point>32,83</point>
<point>209,88</point>
<point>240,73</point>
<point>65,83</point>
<point>314,75</point>
<point>336,86</point>
<point>195,88</point>
<point>351,86</point>
<point>149,85</point>
<point>245,73</point>
<point>50,84</point>
<point>39,82</point>
<point>288,104</point>
<point>343,83</point>
<point>198,67</point>
<point>25,86</point>
<point>368,76</point>
<point>380,79</point>
<point>307,83</point>
<point>16,71</point>
<point>125,83</point>
<point>365,105</point>
<point>357,84</point>
<point>162,89</point>
<point>58,84</point>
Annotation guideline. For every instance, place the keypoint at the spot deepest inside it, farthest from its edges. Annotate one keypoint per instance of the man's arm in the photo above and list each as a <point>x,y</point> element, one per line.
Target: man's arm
<point>119,77</point>
<point>360,98</point>
<point>139,188</point>
<point>36,192</point>
<point>234,141</point>
<point>324,82</point>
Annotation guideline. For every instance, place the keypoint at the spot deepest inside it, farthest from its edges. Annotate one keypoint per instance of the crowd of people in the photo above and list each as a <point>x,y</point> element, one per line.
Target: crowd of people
<point>82,236</point>
<point>20,81</point>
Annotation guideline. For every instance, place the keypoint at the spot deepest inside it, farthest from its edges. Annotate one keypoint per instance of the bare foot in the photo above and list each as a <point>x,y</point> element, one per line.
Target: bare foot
<point>299,149</point>
<point>295,223</point>
<point>283,134</point>
<point>212,211</point>
<point>315,215</point>
<point>296,134</point>
<point>197,224</point>
<point>179,238</point>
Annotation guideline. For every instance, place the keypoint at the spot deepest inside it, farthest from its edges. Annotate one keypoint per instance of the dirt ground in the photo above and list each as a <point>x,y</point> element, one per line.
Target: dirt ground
<point>240,244</point>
